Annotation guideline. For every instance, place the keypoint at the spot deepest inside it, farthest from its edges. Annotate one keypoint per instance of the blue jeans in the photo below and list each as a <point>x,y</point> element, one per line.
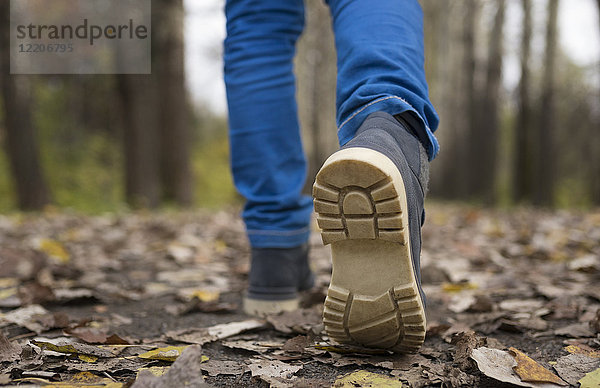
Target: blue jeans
<point>380,61</point>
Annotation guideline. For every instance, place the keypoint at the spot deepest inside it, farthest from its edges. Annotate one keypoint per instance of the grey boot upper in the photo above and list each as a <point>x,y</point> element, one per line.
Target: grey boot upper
<point>394,138</point>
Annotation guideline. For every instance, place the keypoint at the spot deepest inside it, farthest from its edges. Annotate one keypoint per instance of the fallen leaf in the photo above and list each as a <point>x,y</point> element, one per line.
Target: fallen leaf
<point>169,353</point>
<point>95,336</point>
<point>79,380</point>
<point>583,349</point>
<point>297,344</point>
<point>531,371</point>
<point>86,358</point>
<point>298,321</point>
<point>274,372</point>
<point>185,372</point>
<point>465,342</point>
<point>205,296</point>
<point>498,365</point>
<point>155,370</point>
<point>575,330</point>
<point>363,378</point>
<point>54,250</point>
<point>253,345</point>
<point>573,367</point>
<point>202,336</point>
<point>229,329</point>
<point>587,263</point>
<point>457,287</point>
<point>28,317</point>
<point>61,346</point>
<point>520,305</point>
<point>8,351</point>
<point>591,380</point>
<point>73,295</point>
<point>218,367</point>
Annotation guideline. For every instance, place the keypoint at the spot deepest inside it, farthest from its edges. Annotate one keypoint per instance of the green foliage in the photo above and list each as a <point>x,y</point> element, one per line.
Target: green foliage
<point>7,194</point>
<point>83,159</point>
<point>83,168</point>
<point>213,181</point>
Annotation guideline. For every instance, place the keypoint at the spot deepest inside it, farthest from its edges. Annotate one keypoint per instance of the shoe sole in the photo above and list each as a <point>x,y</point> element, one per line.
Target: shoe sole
<point>263,308</point>
<point>373,300</point>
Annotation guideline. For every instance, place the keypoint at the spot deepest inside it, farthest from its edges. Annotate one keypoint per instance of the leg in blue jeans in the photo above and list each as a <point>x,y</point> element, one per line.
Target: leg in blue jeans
<point>380,60</point>
<point>380,68</point>
<point>267,159</point>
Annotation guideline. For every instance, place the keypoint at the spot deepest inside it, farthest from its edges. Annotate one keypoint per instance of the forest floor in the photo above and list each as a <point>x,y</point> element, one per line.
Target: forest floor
<point>513,299</point>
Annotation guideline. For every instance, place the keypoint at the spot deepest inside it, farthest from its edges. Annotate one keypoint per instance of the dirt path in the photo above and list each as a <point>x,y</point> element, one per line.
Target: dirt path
<point>89,300</point>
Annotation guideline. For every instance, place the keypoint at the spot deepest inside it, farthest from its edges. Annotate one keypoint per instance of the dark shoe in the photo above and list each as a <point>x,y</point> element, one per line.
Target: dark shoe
<point>369,199</point>
<point>276,276</point>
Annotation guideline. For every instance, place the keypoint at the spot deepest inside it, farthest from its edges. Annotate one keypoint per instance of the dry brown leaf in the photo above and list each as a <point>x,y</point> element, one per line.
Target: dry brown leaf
<point>363,378</point>
<point>185,372</point>
<point>573,367</point>
<point>96,336</point>
<point>298,321</point>
<point>8,351</point>
<point>531,371</point>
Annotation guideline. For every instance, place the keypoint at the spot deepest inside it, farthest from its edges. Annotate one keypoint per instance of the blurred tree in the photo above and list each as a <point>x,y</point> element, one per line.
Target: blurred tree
<point>545,159</point>
<point>468,150</point>
<point>20,140</point>
<point>484,138</point>
<point>157,133</point>
<point>173,108</point>
<point>316,71</point>
<point>595,183</point>
<point>140,139</point>
<point>524,142</point>
<point>444,59</point>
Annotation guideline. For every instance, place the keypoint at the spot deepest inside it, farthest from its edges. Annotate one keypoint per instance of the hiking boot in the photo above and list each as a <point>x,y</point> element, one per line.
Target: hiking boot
<point>369,199</point>
<point>276,276</point>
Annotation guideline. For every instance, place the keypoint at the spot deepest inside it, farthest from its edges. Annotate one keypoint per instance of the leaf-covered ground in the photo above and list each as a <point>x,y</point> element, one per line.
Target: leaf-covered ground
<point>154,300</point>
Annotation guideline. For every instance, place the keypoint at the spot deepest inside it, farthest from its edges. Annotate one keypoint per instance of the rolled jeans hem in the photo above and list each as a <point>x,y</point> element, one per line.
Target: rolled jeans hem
<point>390,104</point>
<point>278,238</point>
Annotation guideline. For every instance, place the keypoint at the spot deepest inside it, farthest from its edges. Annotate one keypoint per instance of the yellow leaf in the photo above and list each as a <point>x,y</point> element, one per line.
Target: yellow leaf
<point>362,378</point>
<point>8,292</point>
<point>457,287</point>
<point>206,296</point>
<point>591,380</point>
<point>85,380</point>
<point>155,370</point>
<point>220,246</point>
<point>531,371</point>
<point>169,353</point>
<point>73,348</point>
<point>586,352</point>
<point>54,249</point>
<point>86,358</point>
<point>8,282</point>
<point>85,377</point>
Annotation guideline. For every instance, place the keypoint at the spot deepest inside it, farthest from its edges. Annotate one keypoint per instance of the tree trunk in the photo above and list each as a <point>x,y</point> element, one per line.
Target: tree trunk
<point>524,142</point>
<point>140,139</point>
<point>173,108</point>
<point>20,142</point>
<point>440,62</point>
<point>595,182</point>
<point>485,137</point>
<point>468,145</point>
<point>316,71</point>
<point>545,164</point>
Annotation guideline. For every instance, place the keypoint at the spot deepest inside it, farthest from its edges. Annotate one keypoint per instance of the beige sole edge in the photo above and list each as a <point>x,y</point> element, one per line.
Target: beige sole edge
<point>262,308</point>
<point>373,299</point>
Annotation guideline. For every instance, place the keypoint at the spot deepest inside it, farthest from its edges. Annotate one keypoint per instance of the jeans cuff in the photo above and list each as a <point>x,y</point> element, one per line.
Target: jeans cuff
<point>393,105</point>
<point>278,238</point>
